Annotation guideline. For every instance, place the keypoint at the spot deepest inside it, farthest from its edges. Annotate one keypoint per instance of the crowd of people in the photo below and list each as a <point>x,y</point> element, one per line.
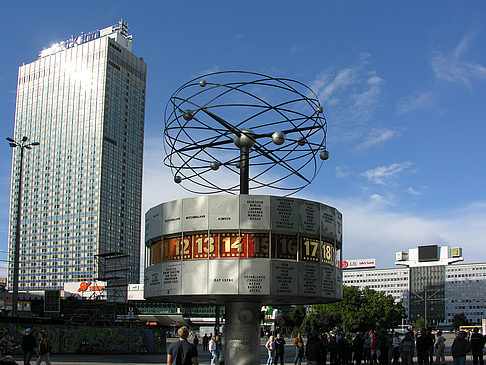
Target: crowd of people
<point>377,347</point>
<point>339,348</point>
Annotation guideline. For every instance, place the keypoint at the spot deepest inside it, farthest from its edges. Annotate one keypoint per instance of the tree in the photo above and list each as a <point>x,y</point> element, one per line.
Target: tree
<point>291,321</point>
<point>362,310</point>
<point>459,320</point>
<point>318,322</point>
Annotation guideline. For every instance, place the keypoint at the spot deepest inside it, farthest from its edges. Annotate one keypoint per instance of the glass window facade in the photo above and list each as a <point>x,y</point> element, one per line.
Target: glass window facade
<point>81,190</point>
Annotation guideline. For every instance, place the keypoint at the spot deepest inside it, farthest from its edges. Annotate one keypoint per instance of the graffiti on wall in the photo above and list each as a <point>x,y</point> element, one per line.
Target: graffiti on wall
<point>75,339</point>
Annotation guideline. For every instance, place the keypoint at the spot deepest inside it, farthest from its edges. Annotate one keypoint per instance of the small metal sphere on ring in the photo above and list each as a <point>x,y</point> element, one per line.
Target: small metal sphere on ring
<point>278,138</point>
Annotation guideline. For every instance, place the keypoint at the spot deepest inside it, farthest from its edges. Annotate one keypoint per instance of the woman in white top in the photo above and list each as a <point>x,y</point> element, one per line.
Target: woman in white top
<point>440,346</point>
<point>212,350</point>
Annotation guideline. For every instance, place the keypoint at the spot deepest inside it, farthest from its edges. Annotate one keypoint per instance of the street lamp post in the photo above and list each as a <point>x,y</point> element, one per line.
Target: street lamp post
<point>15,292</point>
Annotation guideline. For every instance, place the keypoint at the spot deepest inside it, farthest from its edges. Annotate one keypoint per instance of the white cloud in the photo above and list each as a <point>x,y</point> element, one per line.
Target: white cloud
<point>423,100</point>
<point>372,229</point>
<point>376,136</point>
<point>350,96</point>
<point>342,172</point>
<point>382,174</point>
<point>296,49</point>
<point>452,67</point>
<point>412,191</point>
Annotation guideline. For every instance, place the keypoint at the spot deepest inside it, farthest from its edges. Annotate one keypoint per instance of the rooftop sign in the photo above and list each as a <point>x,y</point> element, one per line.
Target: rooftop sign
<point>69,43</point>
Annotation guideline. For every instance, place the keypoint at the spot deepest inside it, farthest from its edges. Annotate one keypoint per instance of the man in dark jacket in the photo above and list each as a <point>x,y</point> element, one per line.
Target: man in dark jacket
<point>28,345</point>
<point>279,349</point>
<point>313,351</point>
<point>459,349</point>
<point>477,345</point>
<point>423,345</point>
<point>358,343</point>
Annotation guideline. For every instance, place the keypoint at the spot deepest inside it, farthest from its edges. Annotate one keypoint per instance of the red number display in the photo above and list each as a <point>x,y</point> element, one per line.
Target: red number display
<point>257,244</point>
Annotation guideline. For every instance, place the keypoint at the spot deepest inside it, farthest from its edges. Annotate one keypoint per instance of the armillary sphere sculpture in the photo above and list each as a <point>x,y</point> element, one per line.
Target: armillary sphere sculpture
<point>237,120</point>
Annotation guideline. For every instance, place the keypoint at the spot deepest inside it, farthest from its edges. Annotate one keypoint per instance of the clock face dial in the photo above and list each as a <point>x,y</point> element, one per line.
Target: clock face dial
<point>245,316</point>
<point>210,119</point>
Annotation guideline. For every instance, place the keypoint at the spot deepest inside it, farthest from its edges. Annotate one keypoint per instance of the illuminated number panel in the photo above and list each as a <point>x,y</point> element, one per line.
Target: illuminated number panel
<point>309,249</point>
<point>244,245</point>
<point>328,253</point>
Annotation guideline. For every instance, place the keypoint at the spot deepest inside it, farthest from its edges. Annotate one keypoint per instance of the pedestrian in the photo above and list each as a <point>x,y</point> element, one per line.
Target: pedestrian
<point>44,349</point>
<point>279,349</point>
<point>195,343</point>
<point>367,348</point>
<point>406,349</point>
<point>459,349</point>
<point>477,346</point>
<point>219,348</point>
<point>358,343</point>
<point>182,352</point>
<point>28,345</point>
<point>313,350</point>
<point>205,342</point>
<point>375,347</point>
<point>212,350</point>
<point>423,347</point>
<point>324,344</point>
<point>299,349</point>
<point>270,346</point>
<point>333,359</point>
<point>396,348</point>
<point>440,347</point>
<point>431,343</point>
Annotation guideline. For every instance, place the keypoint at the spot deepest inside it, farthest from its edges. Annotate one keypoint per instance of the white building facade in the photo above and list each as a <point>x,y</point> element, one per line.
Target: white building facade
<point>431,285</point>
<point>83,101</point>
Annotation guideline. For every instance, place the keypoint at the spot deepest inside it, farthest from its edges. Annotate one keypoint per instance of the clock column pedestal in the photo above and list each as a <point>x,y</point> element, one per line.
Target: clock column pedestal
<point>242,333</point>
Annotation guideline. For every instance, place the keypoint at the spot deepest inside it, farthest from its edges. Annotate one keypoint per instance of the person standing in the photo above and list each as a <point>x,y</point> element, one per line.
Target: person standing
<point>279,349</point>
<point>459,349</point>
<point>407,349</point>
<point>205,342</point>
<point>313,350</point>
<point>358,343</point>
<point>423,347</point>
<point>28,345</point>
<point>299,349</point>
<point>44,349</point>
<point>212,350</point>
<point>324,344</point>
<point>367,348</point>
<point>270,346</point>
<point>440,347</point>
<point>375,347</point>
<point>182,352</point>
<point>477,346</point>
<point>396,351</point>
<point>195,343</point>
<point>333,359</point>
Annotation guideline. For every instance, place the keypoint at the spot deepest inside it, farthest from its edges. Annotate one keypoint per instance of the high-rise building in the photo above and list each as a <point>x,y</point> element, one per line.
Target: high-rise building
<point>83,99</point>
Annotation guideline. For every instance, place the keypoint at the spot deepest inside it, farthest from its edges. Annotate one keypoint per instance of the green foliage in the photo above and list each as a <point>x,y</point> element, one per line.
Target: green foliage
<point>459,320</point>
<point>420,323</point>
<point>318,322</point>
<point>288,323</point>
<point>362,310</point>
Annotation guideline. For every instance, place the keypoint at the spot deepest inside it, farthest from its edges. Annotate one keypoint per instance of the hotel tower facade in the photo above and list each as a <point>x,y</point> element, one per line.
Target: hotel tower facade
<point>83,100</point>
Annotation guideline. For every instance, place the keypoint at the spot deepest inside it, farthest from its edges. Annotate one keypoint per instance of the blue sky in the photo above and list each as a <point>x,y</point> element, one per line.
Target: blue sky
<point>403,85</point>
